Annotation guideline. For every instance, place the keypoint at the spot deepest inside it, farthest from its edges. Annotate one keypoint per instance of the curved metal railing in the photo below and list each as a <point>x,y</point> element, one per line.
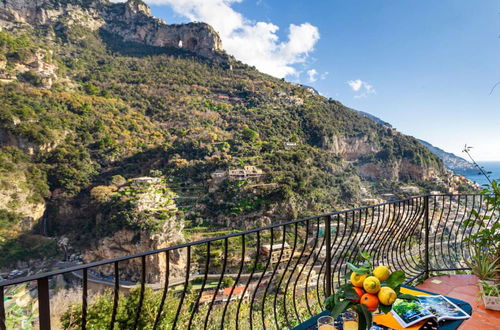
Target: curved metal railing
<point>266,278</point>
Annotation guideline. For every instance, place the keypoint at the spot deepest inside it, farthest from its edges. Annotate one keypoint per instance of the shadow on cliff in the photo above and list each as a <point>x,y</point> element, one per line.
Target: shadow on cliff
<point>116,44</point>
<point>138,164</point>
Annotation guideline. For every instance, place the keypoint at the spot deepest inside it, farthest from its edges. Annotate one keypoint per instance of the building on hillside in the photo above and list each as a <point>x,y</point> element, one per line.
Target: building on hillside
<point>289,145</point>
<point>253,172</point>
<point>246,173</point>
<point>237,174</point>
<point>275,251</point>
<point>411,190</point>
<point>224,295</point>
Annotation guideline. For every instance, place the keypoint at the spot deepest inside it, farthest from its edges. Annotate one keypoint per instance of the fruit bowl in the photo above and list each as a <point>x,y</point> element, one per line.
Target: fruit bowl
<point>369,290</point>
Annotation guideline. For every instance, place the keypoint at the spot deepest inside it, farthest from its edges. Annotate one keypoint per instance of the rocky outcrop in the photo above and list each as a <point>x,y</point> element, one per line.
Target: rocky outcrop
<point>400,170</point>
<point>40,12</point>
<point>150,201</point>
<point>127,242</point>
<point>351,148</point>
<point>7,138</point>
<point>15,196</point>
<point>132,21</point>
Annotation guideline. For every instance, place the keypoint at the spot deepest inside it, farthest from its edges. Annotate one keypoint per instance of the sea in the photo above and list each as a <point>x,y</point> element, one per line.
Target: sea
<point>492,167</point>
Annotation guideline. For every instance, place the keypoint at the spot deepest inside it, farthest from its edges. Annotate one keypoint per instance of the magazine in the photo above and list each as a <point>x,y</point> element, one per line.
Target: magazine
<point>410,312</point>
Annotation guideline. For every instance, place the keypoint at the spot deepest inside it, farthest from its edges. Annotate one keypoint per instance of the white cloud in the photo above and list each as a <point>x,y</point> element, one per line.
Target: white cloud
<point>324,75</point>
<point>361,86</point>
<point>255,43</point>
<point>312,75</point>
<point>355,84</point>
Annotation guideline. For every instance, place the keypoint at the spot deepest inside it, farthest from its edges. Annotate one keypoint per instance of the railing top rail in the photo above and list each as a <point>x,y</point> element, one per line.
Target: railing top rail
<point>180,246</point>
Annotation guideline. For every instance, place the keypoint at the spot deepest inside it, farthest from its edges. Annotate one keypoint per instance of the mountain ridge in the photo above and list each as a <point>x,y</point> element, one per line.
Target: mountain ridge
<point>453,162</point>
<point>132,20</point>
<point>95,127</point>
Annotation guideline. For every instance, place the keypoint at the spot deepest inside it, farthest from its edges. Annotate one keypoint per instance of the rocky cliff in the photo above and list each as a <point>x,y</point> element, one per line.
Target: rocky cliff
<point>451,161</point>
<point>122,146</point>
<point>131,20</point>
<point>144,211</point>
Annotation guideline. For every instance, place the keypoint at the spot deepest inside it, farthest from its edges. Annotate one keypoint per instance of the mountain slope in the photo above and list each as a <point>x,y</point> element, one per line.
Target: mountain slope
<point>450,160</point>
<point>92,108</point>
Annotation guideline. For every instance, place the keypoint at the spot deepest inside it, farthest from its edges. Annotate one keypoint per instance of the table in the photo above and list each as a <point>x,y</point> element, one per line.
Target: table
<point>448,325</point>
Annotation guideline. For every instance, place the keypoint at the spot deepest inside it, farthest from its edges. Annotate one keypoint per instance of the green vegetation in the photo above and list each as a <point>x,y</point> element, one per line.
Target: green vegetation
<point>484,240</point>
<point>119,110</point>
<point>8,218</point>
<point>99,312</point>
<point>27,247</point>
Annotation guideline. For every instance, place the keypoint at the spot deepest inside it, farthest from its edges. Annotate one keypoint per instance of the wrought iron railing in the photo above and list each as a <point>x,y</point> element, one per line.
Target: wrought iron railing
<point>271,277</point>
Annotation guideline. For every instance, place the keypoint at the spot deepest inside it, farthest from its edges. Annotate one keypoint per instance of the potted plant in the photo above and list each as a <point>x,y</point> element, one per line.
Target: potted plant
<point>483,264</point>
<point>490,294</point>
<point>484,242</point>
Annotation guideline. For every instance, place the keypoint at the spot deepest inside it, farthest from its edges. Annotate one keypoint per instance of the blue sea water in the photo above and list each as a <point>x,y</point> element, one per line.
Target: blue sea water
<point>493,167</point>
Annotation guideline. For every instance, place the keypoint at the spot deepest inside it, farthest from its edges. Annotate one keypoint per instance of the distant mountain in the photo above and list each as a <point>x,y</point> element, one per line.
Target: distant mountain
<point>374,118</point>
<point>451,161</point>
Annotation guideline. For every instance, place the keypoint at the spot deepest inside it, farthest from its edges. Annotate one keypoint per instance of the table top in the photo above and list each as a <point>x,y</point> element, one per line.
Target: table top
<point>393,324</point>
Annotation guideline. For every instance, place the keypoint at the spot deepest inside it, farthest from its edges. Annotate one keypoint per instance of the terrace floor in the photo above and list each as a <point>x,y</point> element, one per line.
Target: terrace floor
<point>464,287</point>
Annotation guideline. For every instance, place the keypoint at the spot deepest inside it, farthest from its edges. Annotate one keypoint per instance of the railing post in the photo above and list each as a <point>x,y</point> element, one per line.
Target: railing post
<point>44,303</point>
<point>2,310</point>
<point>328,239</point>
<point>427,229</point>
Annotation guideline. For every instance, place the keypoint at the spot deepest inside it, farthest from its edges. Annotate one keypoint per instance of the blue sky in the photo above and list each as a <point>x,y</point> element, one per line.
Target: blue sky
<point>427,66</point>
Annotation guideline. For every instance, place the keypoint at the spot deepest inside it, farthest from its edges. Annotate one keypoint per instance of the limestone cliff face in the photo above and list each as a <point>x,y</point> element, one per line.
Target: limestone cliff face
<point>18,194</point>
<point>354,149</point>
<point>7,138</point>
<point>400,170</point>
<point>127,242</point>
<point>150,201</point>
<point>131,20</point>
<point>351,148</point>
<point>16,198</point>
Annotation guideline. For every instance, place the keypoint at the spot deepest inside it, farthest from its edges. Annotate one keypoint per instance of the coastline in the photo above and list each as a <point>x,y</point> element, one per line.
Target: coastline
<point>490,167</point>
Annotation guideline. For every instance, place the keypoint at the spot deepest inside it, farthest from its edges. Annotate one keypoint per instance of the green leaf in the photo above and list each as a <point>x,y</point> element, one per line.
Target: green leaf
<point>385,308</point>
<point>339,308</point>
<point>365,317</point>
<point>329,303</point>
<point>407,296</point>
<point>396,279</point>
<point>358,270</point>
<point>348,292</point>
<point>365,255</point>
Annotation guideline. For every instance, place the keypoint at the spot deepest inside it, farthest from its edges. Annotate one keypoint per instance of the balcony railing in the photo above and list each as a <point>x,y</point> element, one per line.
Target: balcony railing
<point>271,277</point>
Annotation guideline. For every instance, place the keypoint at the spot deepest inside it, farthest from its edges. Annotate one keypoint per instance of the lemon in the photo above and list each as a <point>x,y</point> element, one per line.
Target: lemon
<point>386,295</point>
<point>358,279</point>
<point>382,273</point>
<point>371,284</point>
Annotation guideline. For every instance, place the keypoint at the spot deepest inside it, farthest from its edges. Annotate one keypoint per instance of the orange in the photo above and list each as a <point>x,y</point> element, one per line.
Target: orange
<point>370,301</point>
<point>360,293</point>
